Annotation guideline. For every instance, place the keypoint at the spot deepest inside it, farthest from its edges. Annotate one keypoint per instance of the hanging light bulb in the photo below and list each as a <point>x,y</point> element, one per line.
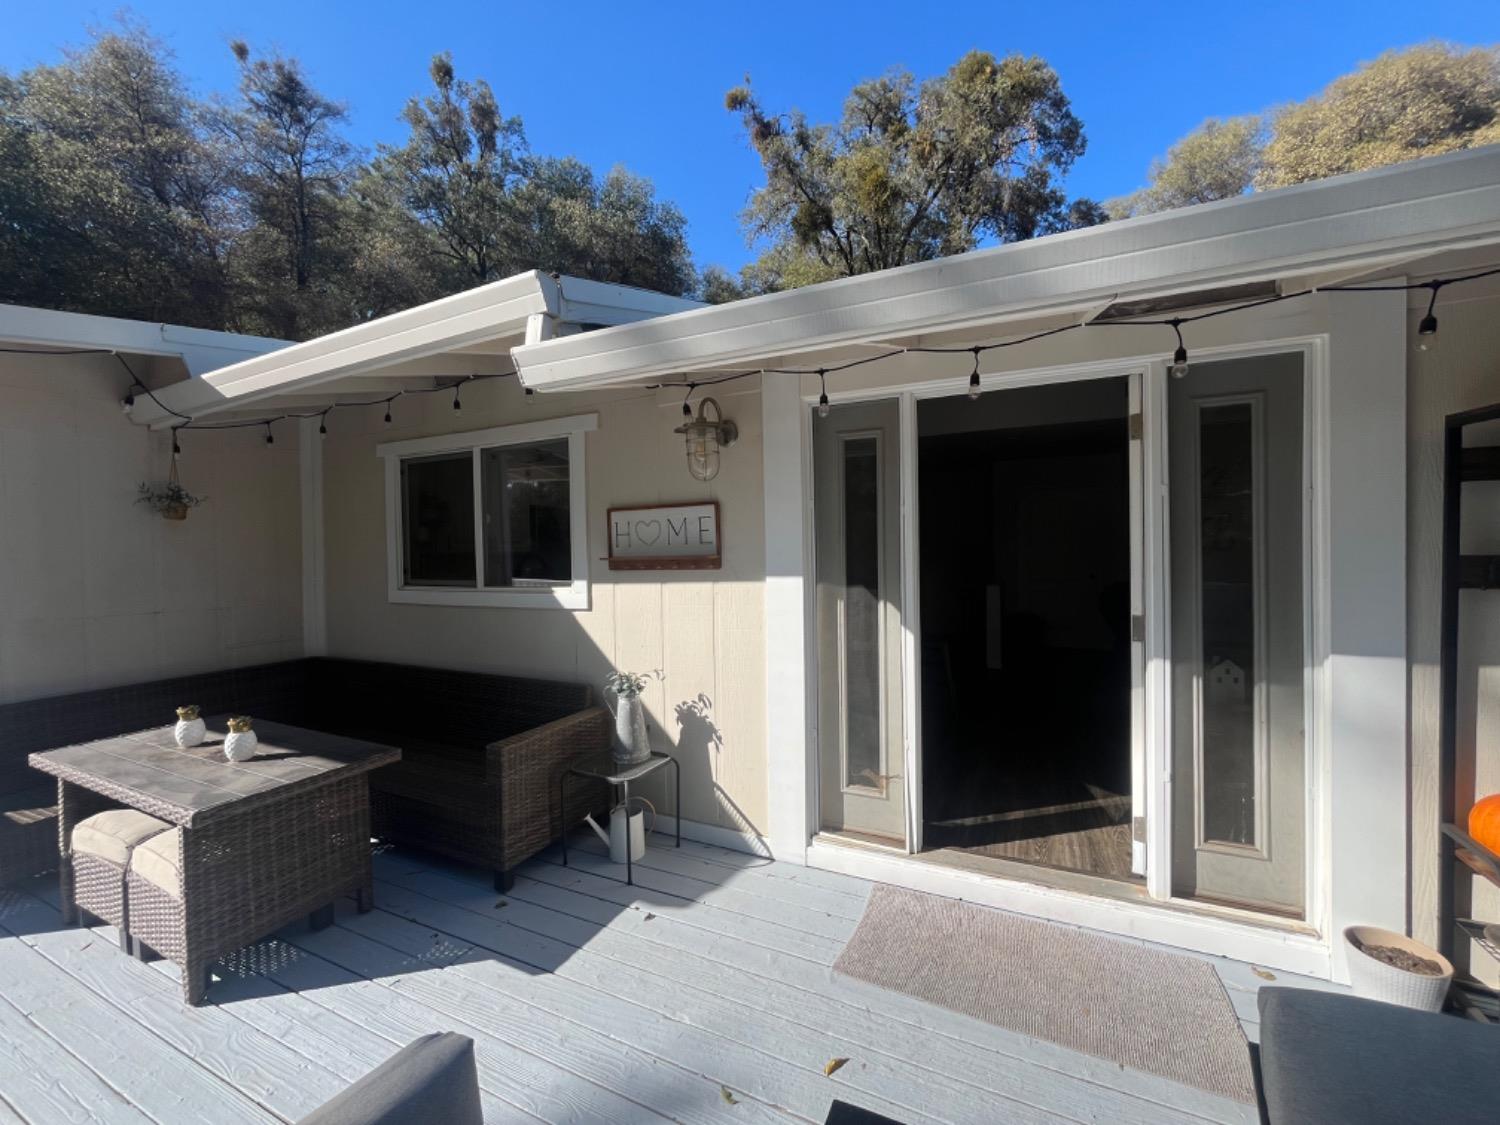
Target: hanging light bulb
<point>823,406</point>
<point>1427,329</point>
<point>388,411</point>
<point>530,395</point>
<point>974,390</point>
<point>270,438</point>
<point>1179,368</point>
<point>687,406</point>
<point>176,448</point>
<point>323,424</point>
<point>456,404</point>
<point>127,403</point>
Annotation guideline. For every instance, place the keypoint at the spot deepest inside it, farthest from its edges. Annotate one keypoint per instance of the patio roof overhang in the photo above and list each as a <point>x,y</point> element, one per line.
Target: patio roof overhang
<point>468,333</point>
<point>199,350</point>
<point>1318,233</point>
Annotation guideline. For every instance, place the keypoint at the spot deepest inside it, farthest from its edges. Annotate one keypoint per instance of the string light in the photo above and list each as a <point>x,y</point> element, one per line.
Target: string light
<point>1179,368</point>
<point>687,406</point>
<point>974,377</point>
<point>176,446</point>
<point>323,423</point>
<point>1427,328</point>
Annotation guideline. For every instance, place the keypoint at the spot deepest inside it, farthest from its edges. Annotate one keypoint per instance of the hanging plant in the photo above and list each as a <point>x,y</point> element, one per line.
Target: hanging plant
<point>168,498</point>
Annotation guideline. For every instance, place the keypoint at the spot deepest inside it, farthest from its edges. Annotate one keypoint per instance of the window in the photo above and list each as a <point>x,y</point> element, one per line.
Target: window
<point>493,517</point>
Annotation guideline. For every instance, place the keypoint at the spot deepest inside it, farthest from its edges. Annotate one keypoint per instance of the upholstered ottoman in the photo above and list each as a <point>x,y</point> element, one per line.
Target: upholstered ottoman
<point>100,848</point>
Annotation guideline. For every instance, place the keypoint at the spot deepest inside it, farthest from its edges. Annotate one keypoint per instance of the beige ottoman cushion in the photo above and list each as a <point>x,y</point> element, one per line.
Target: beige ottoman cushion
<point>113,834</point>
<point>156,862</point>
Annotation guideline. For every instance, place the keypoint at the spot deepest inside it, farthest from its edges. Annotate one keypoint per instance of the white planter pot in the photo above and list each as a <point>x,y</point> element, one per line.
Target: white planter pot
<point>239,745</point>
<point>1375,980</point>
<point>632,745</point>
<point>188,732</point>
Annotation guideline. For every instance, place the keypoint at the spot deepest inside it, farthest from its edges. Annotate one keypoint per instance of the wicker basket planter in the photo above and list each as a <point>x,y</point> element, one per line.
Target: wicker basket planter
<point>1376,980</point>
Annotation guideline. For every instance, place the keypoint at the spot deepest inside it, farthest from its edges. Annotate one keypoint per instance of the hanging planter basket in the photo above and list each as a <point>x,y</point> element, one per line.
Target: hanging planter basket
<point>169,499</point>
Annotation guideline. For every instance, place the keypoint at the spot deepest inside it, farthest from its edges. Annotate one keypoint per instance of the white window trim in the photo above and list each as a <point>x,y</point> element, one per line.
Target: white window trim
<point>573,596</point>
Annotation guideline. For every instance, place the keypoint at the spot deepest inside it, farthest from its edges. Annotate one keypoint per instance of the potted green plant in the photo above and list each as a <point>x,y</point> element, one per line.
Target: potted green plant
<point>168,498</point>
<point>631,745</point>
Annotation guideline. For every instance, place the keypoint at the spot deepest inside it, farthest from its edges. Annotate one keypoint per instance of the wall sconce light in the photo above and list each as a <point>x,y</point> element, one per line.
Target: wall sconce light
<point>704,439</point>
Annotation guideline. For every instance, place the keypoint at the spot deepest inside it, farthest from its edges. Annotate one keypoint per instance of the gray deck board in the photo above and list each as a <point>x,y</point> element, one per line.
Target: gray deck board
<point>705,993</point>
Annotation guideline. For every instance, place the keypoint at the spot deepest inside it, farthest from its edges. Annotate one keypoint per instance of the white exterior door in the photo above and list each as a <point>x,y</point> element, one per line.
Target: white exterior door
<point>857,515</point>
<point>1239,637</point>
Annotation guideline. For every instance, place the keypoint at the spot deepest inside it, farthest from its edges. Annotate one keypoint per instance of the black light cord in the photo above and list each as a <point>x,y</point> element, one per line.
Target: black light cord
<point>1426,327</point>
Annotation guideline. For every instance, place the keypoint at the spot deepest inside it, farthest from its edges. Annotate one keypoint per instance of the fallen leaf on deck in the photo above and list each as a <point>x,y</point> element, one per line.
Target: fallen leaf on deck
<point>833,1064</point>
<point>501,903</point>
<point>649,917</point>
<point>727,1096</point>
<point>1264,974</point>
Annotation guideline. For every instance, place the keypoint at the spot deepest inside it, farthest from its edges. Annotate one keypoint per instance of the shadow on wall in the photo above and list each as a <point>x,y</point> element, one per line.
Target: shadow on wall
<point>697,733</point>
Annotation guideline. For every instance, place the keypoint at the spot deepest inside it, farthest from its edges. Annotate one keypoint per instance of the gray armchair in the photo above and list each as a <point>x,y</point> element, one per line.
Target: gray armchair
<point>1340,1060</point>
<point>430,1079</point>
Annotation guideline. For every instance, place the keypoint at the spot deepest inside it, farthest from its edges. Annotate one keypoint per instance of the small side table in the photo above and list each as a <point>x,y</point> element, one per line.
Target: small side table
<point>603,767</point>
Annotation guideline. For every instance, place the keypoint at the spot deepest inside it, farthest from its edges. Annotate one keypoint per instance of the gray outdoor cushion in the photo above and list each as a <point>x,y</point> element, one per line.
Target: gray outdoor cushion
<point>431,1079</point>
<point>1340,1060</point>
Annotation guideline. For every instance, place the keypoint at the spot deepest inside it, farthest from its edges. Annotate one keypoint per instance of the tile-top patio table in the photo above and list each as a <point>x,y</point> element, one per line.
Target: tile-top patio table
<point>263,842</point>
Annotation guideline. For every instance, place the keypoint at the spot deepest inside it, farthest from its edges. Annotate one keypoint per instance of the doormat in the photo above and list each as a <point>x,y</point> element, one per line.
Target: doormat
<point>1134,1005</point>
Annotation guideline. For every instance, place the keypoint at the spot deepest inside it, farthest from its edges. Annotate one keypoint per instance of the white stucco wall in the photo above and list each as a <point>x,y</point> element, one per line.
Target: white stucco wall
<point>99,591</point>
<point>703,629</point>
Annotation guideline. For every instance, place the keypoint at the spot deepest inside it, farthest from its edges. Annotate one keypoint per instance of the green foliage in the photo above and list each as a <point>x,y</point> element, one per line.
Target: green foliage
<point>122,194</point>
<point>1217,160</point>
<point>913,172</point>
<point>1423,101</point>
<point>292,169</point>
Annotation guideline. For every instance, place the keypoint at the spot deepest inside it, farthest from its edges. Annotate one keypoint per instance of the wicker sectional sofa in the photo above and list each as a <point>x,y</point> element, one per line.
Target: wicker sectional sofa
<point>481,753</point>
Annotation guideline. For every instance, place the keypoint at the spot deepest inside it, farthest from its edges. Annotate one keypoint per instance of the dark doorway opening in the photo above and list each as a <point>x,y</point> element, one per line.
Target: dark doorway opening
<point>1025,654</point>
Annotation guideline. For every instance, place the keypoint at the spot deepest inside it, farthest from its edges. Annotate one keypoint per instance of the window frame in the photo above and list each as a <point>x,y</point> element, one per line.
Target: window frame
<point>572,596</point>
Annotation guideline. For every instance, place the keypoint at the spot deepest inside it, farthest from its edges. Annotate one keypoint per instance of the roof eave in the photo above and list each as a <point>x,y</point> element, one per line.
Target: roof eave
<point>1313,228</point>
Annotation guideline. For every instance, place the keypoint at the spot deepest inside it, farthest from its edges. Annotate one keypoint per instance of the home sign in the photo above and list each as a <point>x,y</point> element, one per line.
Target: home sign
<point>665,537</point>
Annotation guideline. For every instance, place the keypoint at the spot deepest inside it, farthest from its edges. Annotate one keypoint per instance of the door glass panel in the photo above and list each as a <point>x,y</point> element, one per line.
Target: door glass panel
<point>862,600</point>
<point>1227,533</point>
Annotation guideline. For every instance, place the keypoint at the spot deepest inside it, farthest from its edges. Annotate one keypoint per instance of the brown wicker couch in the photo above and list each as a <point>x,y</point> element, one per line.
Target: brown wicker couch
<point>481,753</point>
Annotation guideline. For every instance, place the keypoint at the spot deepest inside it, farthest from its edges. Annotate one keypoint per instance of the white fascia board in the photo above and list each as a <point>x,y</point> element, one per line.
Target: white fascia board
<point>581,301</point>
<point>488,312</point>
<point>200,349</point>
<point>1424,205</point>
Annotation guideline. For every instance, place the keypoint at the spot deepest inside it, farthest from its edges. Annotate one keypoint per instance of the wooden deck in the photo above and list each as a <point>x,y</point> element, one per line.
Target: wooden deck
<point>703,994</point>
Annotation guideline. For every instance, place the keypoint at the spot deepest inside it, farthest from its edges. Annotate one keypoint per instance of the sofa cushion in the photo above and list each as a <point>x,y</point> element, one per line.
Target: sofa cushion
<point>157,861</point>
<point>114,833</point>
<point>432,1079</point>
<point>1341,1060</point>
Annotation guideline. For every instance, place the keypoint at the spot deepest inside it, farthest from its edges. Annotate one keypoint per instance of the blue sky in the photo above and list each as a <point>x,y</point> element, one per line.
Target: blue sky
<point>643,85</point>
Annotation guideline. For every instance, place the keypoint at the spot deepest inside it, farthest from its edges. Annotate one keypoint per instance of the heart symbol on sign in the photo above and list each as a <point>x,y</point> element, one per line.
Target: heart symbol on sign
<point>640,531</point>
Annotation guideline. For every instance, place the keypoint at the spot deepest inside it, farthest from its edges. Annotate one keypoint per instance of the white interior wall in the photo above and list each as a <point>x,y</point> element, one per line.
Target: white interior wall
<point>703,629</point>
<point>100,591</point>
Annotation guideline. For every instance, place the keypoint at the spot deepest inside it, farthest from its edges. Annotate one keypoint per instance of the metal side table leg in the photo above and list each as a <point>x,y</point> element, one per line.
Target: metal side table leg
<point>629,866</point>
<point>677,797</point>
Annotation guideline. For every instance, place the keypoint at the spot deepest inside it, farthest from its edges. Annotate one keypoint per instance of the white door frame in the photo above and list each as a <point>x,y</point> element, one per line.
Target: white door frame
<point>1304,948</point>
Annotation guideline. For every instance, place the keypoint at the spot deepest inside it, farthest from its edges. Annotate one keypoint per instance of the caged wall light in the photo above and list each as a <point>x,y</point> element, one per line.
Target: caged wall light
<point>705,437</point>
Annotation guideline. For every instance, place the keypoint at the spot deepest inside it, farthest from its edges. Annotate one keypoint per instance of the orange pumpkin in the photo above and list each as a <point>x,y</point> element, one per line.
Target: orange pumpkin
<point>1484,822</point>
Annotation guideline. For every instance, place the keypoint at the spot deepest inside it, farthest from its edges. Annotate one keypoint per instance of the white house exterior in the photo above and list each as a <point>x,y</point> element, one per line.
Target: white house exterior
<point>1340,410</point>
